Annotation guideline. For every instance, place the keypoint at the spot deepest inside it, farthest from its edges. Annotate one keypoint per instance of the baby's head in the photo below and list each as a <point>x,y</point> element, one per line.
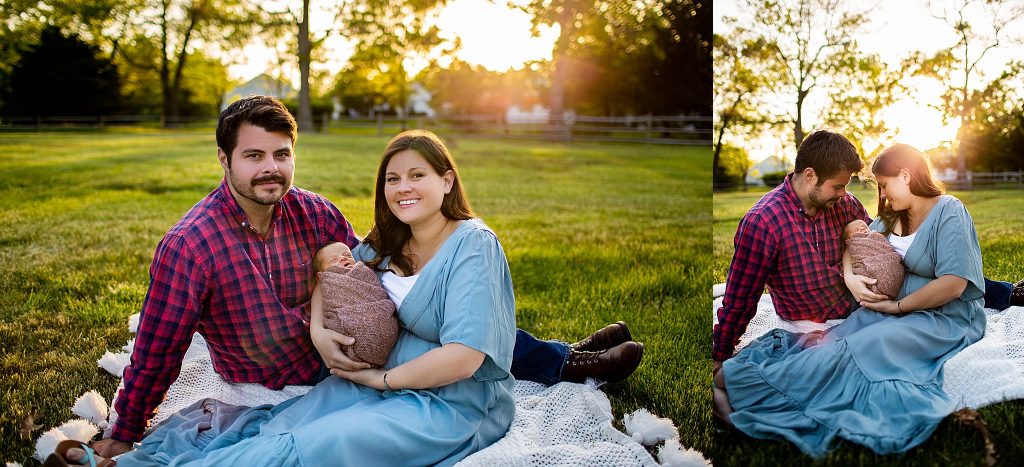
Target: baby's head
<point>857,226</point>
<point>342,258</point>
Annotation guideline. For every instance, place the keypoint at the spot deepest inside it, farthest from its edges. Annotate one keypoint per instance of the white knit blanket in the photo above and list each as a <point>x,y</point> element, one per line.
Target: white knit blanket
<point>989,371</point>
<point>565,424</point>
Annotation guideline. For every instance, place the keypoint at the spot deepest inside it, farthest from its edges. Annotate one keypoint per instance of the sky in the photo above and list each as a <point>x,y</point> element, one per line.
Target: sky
<point>493,35</point>
<point>898,28</point>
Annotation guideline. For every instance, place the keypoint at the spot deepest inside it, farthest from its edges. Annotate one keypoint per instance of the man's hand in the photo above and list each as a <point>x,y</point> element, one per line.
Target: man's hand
<point>858,286</point>
<point>328,254</point>
<point>111,447</point>
<point>330,345</point>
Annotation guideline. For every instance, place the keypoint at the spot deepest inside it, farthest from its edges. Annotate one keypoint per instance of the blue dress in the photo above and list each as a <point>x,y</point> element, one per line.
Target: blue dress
<point>463,295</point>
<point>875,379</point>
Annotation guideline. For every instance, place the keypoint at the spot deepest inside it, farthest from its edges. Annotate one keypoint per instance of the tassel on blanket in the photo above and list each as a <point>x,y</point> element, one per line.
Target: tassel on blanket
<point>47,443</point>
<point>130,346</point>
<point>133,323</point>
<point>672,454</point>
<point>648,429</point>
<point>78,430</point>
<point>91,406</point>
<point>718,290</point>
<point>114,363</point>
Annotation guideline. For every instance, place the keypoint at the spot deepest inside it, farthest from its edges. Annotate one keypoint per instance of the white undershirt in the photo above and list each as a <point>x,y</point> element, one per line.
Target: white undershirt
<point>900,244</point>
<point>397,286</point>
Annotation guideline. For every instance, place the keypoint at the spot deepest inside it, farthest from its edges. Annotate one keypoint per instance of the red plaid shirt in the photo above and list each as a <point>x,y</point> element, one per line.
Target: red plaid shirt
<point>247,295</point>
<point>799,258</point>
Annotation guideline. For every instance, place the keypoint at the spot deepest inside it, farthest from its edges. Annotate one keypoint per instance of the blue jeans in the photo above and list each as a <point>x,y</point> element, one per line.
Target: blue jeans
<point>537,360</point>
<point>997,294</point>
<point>532,360</point>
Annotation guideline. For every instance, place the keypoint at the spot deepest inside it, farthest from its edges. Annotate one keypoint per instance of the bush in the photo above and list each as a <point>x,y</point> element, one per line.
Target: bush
<point>773,178</point>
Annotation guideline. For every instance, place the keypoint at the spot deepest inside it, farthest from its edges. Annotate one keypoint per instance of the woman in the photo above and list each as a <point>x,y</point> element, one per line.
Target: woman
<point>446,390</point>
<point>876,379</point>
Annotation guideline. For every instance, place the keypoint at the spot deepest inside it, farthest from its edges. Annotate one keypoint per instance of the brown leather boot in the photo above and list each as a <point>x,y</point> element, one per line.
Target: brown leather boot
<point>1017,294</point>
<point>605,338</point>
<point>610,365</point>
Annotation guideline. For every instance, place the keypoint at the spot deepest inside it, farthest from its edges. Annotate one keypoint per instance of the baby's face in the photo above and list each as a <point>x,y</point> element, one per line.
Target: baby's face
<point>345,259</point>
<point>855,227</point>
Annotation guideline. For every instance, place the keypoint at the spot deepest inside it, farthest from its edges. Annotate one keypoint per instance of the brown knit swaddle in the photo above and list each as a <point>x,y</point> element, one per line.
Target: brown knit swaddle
<point>356,305</point>
<point>874,257</point>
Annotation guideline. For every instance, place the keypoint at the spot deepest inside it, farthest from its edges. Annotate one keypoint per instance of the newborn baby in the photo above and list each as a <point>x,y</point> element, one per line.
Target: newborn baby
<point>356,305</point>
<point>874,257</point>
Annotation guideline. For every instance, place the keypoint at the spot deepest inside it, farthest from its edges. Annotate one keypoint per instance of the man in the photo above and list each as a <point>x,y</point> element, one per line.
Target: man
<point>238,269</point>
<point>790,242</point>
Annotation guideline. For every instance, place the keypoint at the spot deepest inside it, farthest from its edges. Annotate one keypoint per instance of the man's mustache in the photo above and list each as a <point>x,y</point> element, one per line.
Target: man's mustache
<point>269,179</point>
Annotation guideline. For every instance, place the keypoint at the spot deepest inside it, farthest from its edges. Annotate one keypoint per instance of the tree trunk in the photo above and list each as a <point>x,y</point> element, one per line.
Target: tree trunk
<point>165,71</point>
<point>175,88</point>
<point>798,131</point>
<point>557,98</point>
<point>305,117</point>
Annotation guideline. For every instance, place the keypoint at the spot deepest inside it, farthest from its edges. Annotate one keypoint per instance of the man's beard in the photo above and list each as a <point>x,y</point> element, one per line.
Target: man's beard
<point>818,202</point>
<point>248,189</point>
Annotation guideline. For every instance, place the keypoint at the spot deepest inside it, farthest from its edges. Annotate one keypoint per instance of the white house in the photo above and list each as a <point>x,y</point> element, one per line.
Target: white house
<point>262,85</point>
<point>768,165</point>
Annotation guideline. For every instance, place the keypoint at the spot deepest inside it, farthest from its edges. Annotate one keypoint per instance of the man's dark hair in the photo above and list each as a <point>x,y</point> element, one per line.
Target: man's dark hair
<point>827,153</point>
<point>263,111</point>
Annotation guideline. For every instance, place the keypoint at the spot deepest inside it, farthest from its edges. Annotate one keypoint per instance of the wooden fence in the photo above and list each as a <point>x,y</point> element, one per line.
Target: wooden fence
<point>964,181</point>
<point>982,180</point>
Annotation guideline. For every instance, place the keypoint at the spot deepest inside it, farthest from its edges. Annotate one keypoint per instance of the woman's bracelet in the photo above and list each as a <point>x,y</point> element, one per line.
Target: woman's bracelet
<point>386,387</point>
<point>898,307</point>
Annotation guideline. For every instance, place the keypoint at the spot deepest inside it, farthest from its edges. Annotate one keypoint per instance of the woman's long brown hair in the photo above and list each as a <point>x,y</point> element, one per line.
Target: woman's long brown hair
<point>922,183</point>
<point>389,234</point>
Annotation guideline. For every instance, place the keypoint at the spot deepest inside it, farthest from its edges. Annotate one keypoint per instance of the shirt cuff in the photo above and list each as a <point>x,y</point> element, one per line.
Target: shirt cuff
<point>122,431</point>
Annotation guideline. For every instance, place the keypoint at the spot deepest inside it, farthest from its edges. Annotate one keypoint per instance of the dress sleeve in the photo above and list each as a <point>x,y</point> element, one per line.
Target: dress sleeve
<point>363,252</point>
<point>479,305</point>
<point>957,251</point>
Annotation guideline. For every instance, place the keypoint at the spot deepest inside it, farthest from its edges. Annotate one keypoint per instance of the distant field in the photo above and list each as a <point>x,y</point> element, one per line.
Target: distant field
<point>594,233</point>
<point>999,218</point>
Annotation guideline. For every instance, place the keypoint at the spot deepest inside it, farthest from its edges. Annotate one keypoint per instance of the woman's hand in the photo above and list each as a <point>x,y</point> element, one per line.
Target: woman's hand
<point>885,306</point>
<point>858,286</point>
<point>369,377</point>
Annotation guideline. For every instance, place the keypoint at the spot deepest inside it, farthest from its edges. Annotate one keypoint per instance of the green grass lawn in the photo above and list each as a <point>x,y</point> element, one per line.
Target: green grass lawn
<point>999,219</point>
<point>594,233</point>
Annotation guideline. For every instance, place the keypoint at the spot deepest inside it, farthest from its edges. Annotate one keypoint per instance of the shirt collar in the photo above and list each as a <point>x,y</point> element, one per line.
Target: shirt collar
<point>790,194</point>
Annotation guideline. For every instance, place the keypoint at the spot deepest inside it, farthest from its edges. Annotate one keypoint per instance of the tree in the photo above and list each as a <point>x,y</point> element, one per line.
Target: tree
<point>993,140</point>
<point>388,34</point>
<point>284,24</point>
<point>980,27</point>
<point>856,110</point>
<point>635,57</point>
<point>464,89</point>
<point>738,84</point>
<point>735,164</point>
<point>62,75</point>
<point>808,38</point>
<point>675,70</point>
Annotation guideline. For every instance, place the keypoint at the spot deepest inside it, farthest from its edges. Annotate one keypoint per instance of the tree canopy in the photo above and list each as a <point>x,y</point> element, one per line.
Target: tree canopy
<point>62,76</point>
